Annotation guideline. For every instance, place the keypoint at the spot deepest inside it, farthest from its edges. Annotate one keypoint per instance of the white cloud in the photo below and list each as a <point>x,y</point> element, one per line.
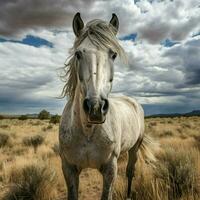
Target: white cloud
<point>160,75</point>
<point>30,74</point>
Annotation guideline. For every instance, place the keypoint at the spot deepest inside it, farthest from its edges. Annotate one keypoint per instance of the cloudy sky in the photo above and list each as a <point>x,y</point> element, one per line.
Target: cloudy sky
<point>161,38</point>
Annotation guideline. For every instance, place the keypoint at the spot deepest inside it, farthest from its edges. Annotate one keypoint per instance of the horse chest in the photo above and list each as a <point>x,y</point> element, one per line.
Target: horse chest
<point>91,152</point>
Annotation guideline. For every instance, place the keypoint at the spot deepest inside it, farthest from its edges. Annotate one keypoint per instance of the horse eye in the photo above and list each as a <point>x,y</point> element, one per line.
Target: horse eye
<point>114,56</point>
<point>78,55</point>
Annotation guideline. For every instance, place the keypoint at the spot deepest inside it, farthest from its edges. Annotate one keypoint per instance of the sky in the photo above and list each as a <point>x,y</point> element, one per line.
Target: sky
<point>161,39</point>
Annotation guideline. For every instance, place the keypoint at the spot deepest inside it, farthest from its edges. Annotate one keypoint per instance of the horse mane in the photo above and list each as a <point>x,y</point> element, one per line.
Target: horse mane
<point>100,34</point>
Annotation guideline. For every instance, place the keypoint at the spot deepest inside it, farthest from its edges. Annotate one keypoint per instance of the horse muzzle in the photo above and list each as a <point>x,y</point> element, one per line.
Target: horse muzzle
<point>96,109</point>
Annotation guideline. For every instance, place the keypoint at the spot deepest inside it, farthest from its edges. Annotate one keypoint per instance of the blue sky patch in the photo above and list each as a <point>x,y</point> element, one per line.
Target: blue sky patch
<point>129,37</point>
<point>31,41</point>
<point>196,34</point>
<point>169,43</point>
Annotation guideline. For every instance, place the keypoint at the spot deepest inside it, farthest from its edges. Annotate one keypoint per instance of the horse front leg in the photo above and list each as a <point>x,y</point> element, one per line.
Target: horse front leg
<point>71,175</point>
<point>109,173</point>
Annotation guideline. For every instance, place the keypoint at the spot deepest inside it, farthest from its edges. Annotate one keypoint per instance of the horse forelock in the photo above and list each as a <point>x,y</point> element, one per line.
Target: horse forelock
<point>100,34</point>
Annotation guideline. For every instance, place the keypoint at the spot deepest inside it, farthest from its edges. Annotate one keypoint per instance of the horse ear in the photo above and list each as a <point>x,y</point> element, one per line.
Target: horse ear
<point>115,23</point>
<point>77,24</point>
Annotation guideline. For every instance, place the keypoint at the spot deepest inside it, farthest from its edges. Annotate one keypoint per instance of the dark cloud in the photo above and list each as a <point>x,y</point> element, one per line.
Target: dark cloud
<point>193,77</point>
<point>188,55</point>
<point>167,108</point>
<point>17,15</point>
<point>27,95</point>
<point>154,31</point>
<point>10,104</point>
<point>28,82</point>
<point>161,19</point>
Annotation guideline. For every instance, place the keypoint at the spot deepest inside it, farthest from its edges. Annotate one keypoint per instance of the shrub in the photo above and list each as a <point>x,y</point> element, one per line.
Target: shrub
<point>3,139</point>
<point>23,117</point>
<point>47,128</point>
<point>2,117</point>
<point>33,182</point>
<point>36,123</point>
<point>34,141</point>
<point>55,119</point>
<point>186,125</point>
<point>44,128</point>
<point>180,130</point>
<point>166,133</point>
<point>153,123</point>
<point>44,115</point>
<point>4,126</point>
<point>176,168</point>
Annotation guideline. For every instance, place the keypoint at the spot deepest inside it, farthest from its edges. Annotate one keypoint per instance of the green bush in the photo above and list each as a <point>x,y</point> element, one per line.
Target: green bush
<point>55,119</point>
<point>44,115</point>
<point>34,141</point>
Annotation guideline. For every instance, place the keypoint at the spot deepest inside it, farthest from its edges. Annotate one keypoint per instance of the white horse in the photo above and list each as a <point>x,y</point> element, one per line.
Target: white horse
<point>95,128</point>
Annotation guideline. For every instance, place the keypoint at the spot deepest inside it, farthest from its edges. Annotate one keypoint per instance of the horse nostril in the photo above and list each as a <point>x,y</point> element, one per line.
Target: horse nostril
<point>86,105</point>
<point>105,106</point>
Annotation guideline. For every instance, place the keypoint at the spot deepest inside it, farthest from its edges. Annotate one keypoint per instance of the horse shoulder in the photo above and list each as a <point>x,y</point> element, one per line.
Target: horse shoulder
<point>139,112</point>
<point>130,116</point>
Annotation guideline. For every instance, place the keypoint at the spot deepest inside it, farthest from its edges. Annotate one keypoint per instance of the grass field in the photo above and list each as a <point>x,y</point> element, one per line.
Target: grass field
<point>30,165</point>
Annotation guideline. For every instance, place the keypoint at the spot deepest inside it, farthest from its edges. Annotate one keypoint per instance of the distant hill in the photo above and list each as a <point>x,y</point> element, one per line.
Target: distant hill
<point>29,116</point>
<point>189,114</point>
<point>32,116</point>
<point>7,116</point>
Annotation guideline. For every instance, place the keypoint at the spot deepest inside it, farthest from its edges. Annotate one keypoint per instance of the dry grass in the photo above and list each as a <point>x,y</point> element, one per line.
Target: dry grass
<point>27,174</point>
<point>31,182</point>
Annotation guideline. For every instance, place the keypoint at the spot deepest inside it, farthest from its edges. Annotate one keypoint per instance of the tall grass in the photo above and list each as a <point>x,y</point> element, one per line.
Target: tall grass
<point>32,182</point>
<point>178,170</point>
